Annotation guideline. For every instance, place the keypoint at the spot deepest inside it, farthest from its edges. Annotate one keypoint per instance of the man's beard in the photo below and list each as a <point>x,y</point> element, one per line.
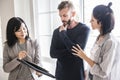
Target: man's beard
<point>66,22</point>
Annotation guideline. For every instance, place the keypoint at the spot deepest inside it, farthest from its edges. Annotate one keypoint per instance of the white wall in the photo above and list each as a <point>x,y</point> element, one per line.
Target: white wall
<point>0,38</point>
<point>6,11</point>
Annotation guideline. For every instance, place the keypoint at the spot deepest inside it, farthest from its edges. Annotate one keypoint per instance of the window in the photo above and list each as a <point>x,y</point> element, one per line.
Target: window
<point>47,19</point>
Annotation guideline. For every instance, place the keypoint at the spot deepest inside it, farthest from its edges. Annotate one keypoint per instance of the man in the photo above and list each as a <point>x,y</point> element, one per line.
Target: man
<point>69,66</point>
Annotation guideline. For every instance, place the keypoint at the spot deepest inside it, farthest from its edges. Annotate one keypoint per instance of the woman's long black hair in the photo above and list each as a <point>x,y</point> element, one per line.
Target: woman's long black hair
<point>104,15</point>
<point>12,26</point>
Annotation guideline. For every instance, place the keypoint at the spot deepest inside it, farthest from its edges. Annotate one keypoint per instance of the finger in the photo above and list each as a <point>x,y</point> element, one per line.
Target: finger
<point>24,53</point>
<point>20,58</point>
<point>61,28</point>
<point>65,26</point>
<point>74,53</point>
<point>75,48</point>
<point>78,46</point>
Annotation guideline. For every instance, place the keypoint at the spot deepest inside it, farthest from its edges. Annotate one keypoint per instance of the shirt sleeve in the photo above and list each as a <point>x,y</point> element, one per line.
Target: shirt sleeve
<point>37,58</point>
<point>55,51</point>
<point>103,69</point>
<point>8,63</point>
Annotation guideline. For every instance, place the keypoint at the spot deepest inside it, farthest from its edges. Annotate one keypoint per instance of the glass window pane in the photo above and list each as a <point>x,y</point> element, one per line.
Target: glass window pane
<point>43,6</point>
<point>45,45</point>
<point>54,4</point>
<point>55,21</point>
<point>44,27</point>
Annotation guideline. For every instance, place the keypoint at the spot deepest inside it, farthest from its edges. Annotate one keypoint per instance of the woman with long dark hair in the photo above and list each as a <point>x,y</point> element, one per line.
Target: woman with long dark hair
<point>105,55</point>
<point>19,45</point>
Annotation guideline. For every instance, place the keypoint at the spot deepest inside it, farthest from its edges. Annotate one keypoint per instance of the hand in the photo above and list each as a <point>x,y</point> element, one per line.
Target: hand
<point>62,28</point>
<point>22,54</point>
<point>38,74</point>
<point>78,51</point>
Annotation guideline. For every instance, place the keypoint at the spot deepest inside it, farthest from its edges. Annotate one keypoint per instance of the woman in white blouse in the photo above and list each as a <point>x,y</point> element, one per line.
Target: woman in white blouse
<point>105,57</point>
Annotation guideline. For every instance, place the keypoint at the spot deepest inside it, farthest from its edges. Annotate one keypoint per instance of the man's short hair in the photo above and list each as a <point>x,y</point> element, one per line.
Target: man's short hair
<point>65,4</point>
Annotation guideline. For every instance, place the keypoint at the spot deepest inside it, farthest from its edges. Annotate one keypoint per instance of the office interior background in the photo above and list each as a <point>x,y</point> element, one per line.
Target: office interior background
<point>41,17</point>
